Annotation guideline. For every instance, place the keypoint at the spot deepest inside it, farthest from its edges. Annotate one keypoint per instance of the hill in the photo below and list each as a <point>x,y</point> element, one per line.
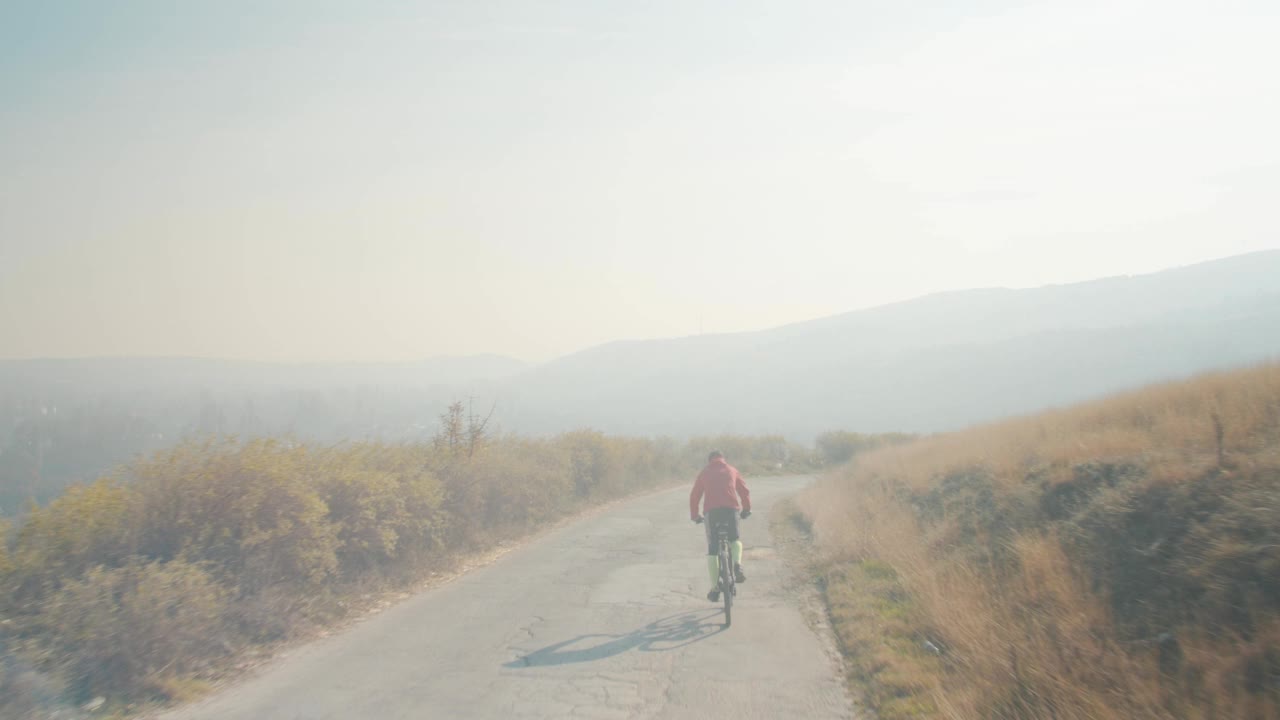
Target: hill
<point>935,363</point>
<point>1112,560</point>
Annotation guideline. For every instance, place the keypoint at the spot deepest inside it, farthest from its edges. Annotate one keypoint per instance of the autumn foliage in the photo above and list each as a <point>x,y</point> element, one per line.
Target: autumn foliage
<point>131,585</point>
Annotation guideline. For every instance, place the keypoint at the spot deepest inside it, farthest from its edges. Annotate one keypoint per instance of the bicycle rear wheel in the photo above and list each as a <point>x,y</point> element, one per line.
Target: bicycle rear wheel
<point>726,584</point>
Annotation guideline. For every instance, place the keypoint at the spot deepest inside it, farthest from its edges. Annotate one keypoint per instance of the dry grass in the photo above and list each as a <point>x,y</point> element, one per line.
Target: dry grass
<point>886,652</point>
<point>1120,559</point>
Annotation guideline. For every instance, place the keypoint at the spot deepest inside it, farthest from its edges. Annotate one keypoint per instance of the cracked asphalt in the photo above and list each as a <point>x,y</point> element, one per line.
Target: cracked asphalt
<point>602,618</point>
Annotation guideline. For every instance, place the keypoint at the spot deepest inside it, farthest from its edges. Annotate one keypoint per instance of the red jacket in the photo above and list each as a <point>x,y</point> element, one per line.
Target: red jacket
<point>722,484</point>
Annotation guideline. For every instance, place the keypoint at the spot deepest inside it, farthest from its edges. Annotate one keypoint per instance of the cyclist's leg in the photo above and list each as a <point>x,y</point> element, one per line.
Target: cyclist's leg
<point>727,519</point>
<point>735,546</point>
<point>713,559</point>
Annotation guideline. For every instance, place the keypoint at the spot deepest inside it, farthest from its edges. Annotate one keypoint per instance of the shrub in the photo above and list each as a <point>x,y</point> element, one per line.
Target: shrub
<point>87,526</point>
<point>6,564</point>
<point>838,447</point>
<point>752,454</point>
<point>592,463</point>
<point>126,630</point>
<point>26,692</point>
<point>251,510</point>
<point>383,503</point>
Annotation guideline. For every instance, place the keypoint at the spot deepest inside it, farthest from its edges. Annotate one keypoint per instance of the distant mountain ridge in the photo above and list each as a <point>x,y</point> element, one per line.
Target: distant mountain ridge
<point>937,362</point>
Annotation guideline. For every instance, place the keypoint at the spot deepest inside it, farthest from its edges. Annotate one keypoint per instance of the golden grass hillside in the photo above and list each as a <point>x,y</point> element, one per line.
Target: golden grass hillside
<point>1119,559</point>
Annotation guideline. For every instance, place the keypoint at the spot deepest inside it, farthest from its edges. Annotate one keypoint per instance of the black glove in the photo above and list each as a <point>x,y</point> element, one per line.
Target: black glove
<point>698,520</point>
<point>745,514</point>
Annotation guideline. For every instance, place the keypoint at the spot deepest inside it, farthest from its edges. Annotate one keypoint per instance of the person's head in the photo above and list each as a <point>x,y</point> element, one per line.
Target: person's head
<point>714,456</point>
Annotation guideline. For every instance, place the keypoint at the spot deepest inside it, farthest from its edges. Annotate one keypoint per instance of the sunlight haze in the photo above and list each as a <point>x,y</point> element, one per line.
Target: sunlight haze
<point>392,181</point>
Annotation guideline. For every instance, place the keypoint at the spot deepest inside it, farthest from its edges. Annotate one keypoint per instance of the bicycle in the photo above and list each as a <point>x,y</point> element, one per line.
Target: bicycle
<point>728,585</point>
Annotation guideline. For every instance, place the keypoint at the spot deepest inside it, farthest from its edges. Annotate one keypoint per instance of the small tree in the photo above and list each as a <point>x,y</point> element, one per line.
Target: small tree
<point>462,430</point>
<point>451,434</point>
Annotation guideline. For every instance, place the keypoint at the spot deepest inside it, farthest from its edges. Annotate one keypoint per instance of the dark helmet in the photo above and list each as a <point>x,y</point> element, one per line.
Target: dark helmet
<point>715,455</point>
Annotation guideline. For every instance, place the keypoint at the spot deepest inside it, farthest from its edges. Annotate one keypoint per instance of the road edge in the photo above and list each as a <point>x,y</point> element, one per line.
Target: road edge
<point>791,535</point>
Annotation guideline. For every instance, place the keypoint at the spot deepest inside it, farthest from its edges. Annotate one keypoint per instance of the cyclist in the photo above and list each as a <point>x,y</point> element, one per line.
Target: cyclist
<point>721,484</point>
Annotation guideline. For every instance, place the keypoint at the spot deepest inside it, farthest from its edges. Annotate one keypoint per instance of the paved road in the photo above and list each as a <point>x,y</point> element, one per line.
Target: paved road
<point>604,618</point>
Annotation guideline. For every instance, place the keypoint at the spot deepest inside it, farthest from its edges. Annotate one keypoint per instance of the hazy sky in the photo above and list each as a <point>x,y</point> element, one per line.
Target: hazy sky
<point>389,181</point>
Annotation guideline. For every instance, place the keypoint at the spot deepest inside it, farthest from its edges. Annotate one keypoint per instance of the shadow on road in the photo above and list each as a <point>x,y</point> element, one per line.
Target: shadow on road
<point>669,633</point>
